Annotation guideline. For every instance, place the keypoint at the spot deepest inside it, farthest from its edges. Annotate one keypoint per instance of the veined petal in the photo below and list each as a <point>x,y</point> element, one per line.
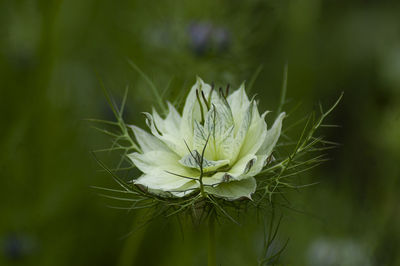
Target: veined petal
<point>162,181</point>
<point>172,140</point>
<point>272,136</point>
<point>161,163</point>
<point>170,125</point>
<point>193,160</point>
<point>159,122</point>
<point>226,144</point>
<point>191,110</point>
<point>241,132</point>
<point>161,170</point>
<point>239,102</point>
<point>147,142</point>
<point>173,119</point>
<point>200,137</point>
<point>219,126</point>
<point>255,135</point>
<point>216,179</point>
<point>233,190</point>
<point>221,113</point>
<point>230,131</point>
<point>258,165</point>
<point>242,167</point>
<point>186,189</point>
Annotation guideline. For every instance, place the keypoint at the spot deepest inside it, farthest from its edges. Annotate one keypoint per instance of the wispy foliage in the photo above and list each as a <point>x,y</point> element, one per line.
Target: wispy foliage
<point>278,175</point>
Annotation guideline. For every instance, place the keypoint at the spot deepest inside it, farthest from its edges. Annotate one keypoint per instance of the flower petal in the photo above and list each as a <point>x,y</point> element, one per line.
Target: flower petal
<point>170,125</point>
<point>154,162</point>
<point>238,101</point>
<point>162,181</point>
<point>186,189</point>
<point>233,190</point>
<point>200,137</point>
<point>219,126</point>
<point>242,167</point>
<point>241,133</point>
<point>191,110</point>
<point>219,117</point>
<point>161,170</point>
<point>193,160</point>
<point>172,140</point>
<point>272,136</point>
<point>255,135</point>
<point>147,142</point>
<point>215,179</point>
<point>258,165</point>
<point>173,119</point>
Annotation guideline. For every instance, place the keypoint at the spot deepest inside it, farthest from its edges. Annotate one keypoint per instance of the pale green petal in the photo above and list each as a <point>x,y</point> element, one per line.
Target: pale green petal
<point>272,136</point>
<point>153,160</point>
<point>241,133</point>
<point>173,119</point>
<point>219,126</point>
<point>234,136</point>
<point>255,135</point>
<point>161,170</point>
<point>173,140</point>
<point>151,124</point>
<point>186,189</point>
<point>158,192</point>
<point>233,190</point>
<point>200,137</point>
<point>258,165</point>
<point>162,181</point>
<point>242,167</point>
<point>239,102</point>
<point>217,178</point>
<point>193,160</point>
<point>191,110</point>
<point>147,142</point>
<point>166,163</point>
<point>226,144</point>
<point>220,141</point>
<point>170,125</point>
<point>220,117</point>
<point>159,122</point>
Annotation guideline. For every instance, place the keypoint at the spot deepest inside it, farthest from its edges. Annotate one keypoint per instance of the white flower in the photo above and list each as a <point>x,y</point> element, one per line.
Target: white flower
<point>218,144</point>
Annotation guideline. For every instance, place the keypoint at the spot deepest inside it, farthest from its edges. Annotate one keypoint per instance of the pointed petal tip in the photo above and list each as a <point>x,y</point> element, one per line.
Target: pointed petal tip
<point>170,105</point>
<point>249,197</point>
<point>199,79</point>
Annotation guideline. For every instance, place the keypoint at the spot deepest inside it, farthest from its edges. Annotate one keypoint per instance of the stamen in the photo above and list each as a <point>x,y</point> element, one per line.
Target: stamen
<point>227,90</point>
<point>210,94</point>
<point>221,93</point>
<point>201,106</point>
<point>205,100</point>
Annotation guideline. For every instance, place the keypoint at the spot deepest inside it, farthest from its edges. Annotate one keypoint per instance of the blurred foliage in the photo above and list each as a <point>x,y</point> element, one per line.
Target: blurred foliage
<point>53,54</point>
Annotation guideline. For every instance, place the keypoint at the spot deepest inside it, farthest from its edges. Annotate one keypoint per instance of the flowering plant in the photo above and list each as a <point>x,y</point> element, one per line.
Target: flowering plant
<point>216,147</point>
<point>215,157</point>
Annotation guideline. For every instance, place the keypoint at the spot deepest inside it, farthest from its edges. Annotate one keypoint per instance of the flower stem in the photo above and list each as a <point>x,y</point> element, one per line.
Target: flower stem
<point>132,244</point>
<point>211,241</point>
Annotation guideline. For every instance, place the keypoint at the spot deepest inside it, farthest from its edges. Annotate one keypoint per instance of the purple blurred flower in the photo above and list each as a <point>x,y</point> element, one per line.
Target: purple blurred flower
<point>204,36</point>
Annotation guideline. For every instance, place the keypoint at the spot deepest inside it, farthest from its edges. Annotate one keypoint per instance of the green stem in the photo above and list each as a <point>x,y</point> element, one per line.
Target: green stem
<point>132,244</point>
<point>211,241</point>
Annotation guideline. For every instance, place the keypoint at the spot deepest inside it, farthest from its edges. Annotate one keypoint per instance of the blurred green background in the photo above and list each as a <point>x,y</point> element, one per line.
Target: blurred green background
<point>53,53</point>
